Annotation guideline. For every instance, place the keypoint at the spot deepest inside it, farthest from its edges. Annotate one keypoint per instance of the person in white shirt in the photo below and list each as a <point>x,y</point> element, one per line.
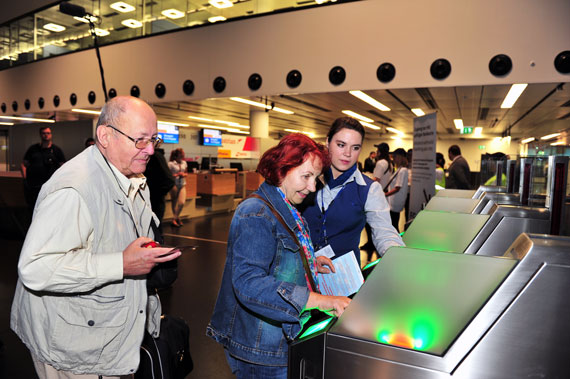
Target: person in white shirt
<point>397,188</point>
<point>384,168</point>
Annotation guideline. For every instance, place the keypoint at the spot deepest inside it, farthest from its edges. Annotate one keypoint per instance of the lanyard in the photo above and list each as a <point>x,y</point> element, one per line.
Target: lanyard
<point>323,241</point>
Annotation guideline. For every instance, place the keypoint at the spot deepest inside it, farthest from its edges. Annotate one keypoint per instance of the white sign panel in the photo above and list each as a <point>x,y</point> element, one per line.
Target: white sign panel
<point>423,162</point>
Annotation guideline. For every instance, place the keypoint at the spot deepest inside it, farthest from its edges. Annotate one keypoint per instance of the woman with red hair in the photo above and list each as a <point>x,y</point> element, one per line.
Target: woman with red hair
<point>271,276</point>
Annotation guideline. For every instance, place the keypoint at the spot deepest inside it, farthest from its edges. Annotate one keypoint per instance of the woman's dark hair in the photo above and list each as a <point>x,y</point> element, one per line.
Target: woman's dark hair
<point>175,154</point>
<point>439,159</point>
<point>292,151</point>
<point>345,123</point>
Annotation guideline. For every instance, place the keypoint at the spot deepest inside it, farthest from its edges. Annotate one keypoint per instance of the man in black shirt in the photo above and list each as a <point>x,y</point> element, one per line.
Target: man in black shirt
<point>40,162</point>
<point>370,162</point>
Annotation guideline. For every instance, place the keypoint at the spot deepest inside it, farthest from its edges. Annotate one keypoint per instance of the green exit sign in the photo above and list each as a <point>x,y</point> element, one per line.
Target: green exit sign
<point>466,130</point>
<point>481,147</point>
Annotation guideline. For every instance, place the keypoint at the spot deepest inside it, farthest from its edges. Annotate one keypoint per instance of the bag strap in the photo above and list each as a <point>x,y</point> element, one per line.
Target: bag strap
<point>393,176</point>
<point>303,257</point>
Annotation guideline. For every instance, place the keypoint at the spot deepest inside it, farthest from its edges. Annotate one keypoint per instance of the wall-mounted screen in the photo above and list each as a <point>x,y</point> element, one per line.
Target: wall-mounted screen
<point>168,133</point>
<point>211,137</point>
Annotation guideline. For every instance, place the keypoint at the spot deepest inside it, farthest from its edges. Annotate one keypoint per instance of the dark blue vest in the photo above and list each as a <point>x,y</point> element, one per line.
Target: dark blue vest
<point>345,219</point>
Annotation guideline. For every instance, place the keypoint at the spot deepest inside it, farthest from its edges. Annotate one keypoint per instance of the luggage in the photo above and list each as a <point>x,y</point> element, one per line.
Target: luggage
<point>168,356</point>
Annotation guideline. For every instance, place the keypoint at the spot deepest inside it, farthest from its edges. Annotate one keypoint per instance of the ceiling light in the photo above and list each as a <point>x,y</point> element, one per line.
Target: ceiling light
<point>216,19</point>
<point>370,100</point>
<point>527,140</point>
<point>172,13</point>
<point>132,23</point>
<point>6,123</point>
<point>478,131</point>
<point>514,93</point>
<point>231,130</point>
<point>312,135</point>
<point>42,32</point>
<point>28,119</point>
<point>558,143</point>
<point>101,32</point>
<point>550,136</point>
<point>122,7</point>
<point>390,129</point>
<point>367,124</point>
<point>54,27</point>
<point>396,138</point>
<point>261,105</point>
<point>458,123</point>
<point>88,111</point>
<point>172,123</point>
<point>221,3</point>
<point>357,116</point>
<point>418,112</point>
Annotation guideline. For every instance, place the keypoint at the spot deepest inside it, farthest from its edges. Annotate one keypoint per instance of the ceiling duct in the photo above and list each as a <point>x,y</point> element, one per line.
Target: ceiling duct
<point>483,112</point>
<point>427,97</point>
<point>379,115</point>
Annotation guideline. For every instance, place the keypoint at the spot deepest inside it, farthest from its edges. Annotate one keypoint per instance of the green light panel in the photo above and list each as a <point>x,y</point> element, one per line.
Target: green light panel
<point>451,204</point>
<point>421,300</point>
<point>314,329</point>
<point>443,231</point>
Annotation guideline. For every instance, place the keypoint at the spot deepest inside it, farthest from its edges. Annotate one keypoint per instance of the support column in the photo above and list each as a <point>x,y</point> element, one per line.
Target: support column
<point>259,123</point>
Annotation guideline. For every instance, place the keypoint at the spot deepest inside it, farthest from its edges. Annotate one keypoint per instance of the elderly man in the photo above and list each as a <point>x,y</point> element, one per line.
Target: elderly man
<point>81,302</point>
<point>458,172</point>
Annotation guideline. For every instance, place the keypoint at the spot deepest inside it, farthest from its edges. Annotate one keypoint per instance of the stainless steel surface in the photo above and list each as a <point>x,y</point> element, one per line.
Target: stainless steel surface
<point>521,332</point>
<point>467,194</point>
<point>525,179</point>
<point>480,192</point>
<point>504,198</point>
<point>556,192</point>
<point>452,204</point>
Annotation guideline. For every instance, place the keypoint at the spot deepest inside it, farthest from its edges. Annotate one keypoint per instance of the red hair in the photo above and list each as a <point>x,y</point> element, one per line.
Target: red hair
<point>292,151</point>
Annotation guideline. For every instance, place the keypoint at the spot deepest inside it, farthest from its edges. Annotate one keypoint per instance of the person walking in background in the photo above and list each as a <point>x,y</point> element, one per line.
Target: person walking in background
<point>397,188</point>
<point>439,171</point>
<point>160,181</point>
<point>271,276</point>
<point>81,304</point>
<point>370,162</point>
<point>384,167</point>
<point>178,167</point>
<point>409,157</point>
<point>40,162</point>
<point>458,173</point>
<point>347,199</point>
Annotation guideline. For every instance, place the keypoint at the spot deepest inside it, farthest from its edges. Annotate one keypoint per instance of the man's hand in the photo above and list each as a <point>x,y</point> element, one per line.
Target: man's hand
<point>322,263</point>
<point>139,260</point>
<point>332,305</point>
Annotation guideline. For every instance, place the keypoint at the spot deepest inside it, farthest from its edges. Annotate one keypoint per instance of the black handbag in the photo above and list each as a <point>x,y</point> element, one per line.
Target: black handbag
<point>167,356</point>
<point>164,274</point>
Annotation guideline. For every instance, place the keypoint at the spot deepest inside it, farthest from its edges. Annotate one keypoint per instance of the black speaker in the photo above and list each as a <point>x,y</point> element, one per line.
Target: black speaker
<point>294,78</point>
<point>91,97</point>
<point>56,101</point>
<point>135,91</point>
<point>386,72</point>
<point>41,102</point>
<point>219,84</point>
<point>562,62</point>
<point>188,87</point>
<point>15,106</point>
<point>112,93</point>
<point>3,107</point>
<point>160,90</point>
<point>500,65</point>
<point>254,82</point>
<point>337,75</point>
<point>73,99</point>
<point>27,104</point>
<point>440,69</point>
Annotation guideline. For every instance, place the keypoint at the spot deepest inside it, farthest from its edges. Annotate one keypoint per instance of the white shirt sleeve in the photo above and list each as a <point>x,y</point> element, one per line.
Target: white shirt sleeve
<point>378,217</point>
<point>57,255</point>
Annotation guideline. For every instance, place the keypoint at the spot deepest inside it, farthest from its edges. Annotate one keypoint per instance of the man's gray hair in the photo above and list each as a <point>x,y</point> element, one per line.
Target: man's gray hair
<point>111,112</point>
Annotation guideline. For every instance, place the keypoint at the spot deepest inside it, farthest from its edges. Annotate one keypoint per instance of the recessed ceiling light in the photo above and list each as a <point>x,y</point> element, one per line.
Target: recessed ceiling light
<point>458,123</point>
<point>132,23</point>
<point>88,111</point>
<point>101,32</point>
<point>370,100</point>
<point>122,7</point>
<point>54,27</point>
<point>357,116</point>
<point>28,119</point>
<point>558,143</point>
<point>86,18</point>
<point>6,123</point>
<point>527,140</point>
<point>261,105</point>
<point>172,13</point>
<point>59,43</point>
<point>42,32</point>
<point>369,125</point>
<point>418,112</point>
<point>216,19</point>
<point>478,131</point>
<point>513,95</point>
<point>550,136</point>
<point>393,130</point>
<point>221,3</point>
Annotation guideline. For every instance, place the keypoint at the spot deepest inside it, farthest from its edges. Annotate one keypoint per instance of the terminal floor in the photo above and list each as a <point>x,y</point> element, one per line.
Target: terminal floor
<point>192,297</point>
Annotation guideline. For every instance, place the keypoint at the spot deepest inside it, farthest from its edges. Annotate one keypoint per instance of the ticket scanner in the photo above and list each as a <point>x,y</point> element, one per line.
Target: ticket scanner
<point>432,314</point>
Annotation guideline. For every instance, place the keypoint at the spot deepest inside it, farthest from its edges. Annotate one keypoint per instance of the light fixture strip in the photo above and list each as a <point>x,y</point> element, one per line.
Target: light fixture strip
<point>370,100</point>
<point>260,105</point>
<point>513,95</point>
<point>28,119</point>
<point>458,123</point>
<point>6,123</point>
<point>357,116</point>
<point>527,140</point>
<point>393,130</point>
<point>418,112</point>
<point>172,123</point>
<point>550,136</point>
<point>369,125</point>
<point>558,143</point>
<point>88,111</point>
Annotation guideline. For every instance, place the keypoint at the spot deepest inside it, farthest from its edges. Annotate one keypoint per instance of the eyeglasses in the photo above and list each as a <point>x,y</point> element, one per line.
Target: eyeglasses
<point>140,143</point>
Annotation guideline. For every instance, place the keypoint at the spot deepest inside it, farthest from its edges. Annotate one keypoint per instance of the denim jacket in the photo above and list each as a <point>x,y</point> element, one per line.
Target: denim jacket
<point>263,291</point>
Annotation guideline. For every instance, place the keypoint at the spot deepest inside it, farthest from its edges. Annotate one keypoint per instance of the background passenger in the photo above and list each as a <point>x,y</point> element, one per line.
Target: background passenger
<point>458,173</point>
<point>384,168</point>
<point>398,187</point>
<point>347,200</point>
<point>266,292</point>
<point>439,171</point>
<point>178,167</point>
<point>160,181</point>
<point>370,162</point>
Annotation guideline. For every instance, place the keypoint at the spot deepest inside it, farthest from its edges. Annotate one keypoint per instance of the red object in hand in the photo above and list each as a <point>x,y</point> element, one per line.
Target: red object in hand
<point>150,244</point>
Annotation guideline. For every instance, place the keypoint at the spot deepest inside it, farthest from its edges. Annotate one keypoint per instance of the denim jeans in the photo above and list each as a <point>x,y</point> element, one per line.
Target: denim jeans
<point>245,370</point>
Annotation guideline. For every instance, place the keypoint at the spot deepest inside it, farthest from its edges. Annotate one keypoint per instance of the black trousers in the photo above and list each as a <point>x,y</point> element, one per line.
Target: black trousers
<point>395,216</point>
